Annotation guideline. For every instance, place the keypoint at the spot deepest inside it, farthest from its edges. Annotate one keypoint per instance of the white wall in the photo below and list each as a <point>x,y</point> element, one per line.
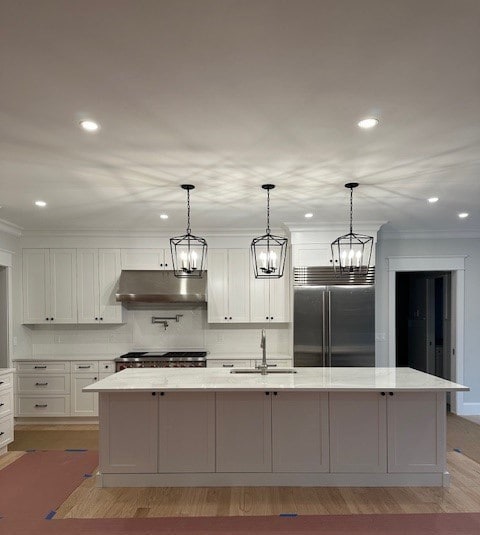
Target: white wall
<point>454,246</point>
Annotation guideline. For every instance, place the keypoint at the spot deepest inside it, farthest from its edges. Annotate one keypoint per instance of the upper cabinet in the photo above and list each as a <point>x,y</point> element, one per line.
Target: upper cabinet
<point>49,286</point>
<point>228,282</point>
<point>151,259</point>
<point>270,298</point>
<point>98,274</point>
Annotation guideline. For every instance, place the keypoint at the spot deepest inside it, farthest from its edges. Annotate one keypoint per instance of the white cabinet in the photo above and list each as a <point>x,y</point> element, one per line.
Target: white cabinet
<point>416,420</point>
<point>6,410</point>
<point>300,432</point>
<point>186,432</point>
<point>151,259</point>
<point>311,254</point>
<point>270,298</point>
<point>49,286</point>
<point>244,432</point>
<point>358,432</point>
<point>98,274</point>
<point>228,286</point>
<point>129,433</point>
<point>83,403</point>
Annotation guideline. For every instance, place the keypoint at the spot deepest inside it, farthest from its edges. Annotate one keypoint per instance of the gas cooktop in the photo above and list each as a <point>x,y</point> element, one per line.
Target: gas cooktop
<point>158,355</point>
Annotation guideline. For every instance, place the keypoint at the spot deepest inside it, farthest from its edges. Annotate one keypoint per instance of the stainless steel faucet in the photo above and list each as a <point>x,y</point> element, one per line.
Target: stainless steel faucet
<point>263,367</point>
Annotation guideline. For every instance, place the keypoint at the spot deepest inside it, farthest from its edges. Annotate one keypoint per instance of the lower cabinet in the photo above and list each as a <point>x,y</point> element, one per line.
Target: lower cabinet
<point>397,432</point>
<point>83,403</point>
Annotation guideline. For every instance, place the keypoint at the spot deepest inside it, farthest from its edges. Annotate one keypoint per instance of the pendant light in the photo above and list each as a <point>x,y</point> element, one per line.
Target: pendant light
<point>352,252</point>
<point>189,252</point>
<point>269,251</point>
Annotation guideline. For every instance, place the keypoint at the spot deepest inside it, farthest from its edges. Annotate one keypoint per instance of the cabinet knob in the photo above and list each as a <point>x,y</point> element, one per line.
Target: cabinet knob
<point>275,393</point>
<point>46,319</point>
<point>162,393</point>
<point>266,317</point>
<point>382,393</point>
<point>267,393</point>
<point>96,319</point>
<point>226,318</point>
<point>161,265</point>
<point>166,264</point>
<point>94,378</point>
<point>101,319</point>
<point>390,393</point>
<point>230,317</point>
<point>2,433</point>
<point>2,404</point>
<point>271,317</point>
<point>51,319</point>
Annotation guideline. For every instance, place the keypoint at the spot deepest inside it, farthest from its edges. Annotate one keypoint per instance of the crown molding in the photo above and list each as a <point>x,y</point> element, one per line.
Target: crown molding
<point>429,234</point>
<point>10,228</point>
<point>333,227</point>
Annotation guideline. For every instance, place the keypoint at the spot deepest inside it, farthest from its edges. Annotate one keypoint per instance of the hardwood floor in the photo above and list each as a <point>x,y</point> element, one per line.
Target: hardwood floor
<point>463,495</point>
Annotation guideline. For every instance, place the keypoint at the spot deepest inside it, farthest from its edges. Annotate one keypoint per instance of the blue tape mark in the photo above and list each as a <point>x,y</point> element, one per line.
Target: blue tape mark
<point>87,475</point>
<point>458,450</point>
<point>288,515</point>
<point>75,450</point>
<point>50,515</point>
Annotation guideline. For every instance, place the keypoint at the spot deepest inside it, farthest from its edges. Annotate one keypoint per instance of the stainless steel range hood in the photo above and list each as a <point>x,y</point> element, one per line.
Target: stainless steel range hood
<point>137,287</point>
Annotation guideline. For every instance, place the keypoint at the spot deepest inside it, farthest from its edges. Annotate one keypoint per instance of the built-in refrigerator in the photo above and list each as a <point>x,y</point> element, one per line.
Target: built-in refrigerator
<point>334,318</point>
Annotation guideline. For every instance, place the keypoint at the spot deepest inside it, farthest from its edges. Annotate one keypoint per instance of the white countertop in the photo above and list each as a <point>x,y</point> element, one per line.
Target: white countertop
<point>4,371</point>
<point>43,358</point>
<point>306,379</point>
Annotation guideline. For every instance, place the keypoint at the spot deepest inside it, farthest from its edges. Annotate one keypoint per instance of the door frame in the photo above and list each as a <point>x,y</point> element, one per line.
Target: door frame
<point>455,264</point>
<point>6,261</point>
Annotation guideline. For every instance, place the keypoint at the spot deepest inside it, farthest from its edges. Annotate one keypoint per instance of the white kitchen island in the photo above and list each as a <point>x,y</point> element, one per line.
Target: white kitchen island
<point>316,427</point>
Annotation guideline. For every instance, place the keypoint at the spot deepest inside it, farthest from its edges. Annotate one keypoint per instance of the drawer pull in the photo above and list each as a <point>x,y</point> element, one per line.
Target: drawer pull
<point>1,382</point>
<point>41,405</point>
<point>2,433</point>
<point>227,365</point>
<point>41,384</point>
<point>40,367</point>
<point>84,367</point>
<point>272,365</point>
<point>2,404</point>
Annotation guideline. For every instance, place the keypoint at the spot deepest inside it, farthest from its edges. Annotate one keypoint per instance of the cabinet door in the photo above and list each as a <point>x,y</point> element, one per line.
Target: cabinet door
<point>238,285</point>
<point>63,285</point>
<point>244,432</point>
<point>128,433</point>
<point>358,432</point>
<point>259,300</point>
<point>300,432</point>
<point>312,254</point>
<point>152,259</point>
<point>88,292</point>
<point>83,403</point>
<point>109,270</point>
<point>279,297</point>
<point>217,281</point>
<point>416,431</point>
<point>186,440</point>
<point>36,286</point>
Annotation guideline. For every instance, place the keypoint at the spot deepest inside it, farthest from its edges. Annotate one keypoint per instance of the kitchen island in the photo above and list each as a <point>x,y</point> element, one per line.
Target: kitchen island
<point>314,427</point>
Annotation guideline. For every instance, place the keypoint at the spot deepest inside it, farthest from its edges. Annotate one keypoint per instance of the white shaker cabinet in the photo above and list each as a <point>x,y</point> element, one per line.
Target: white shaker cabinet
<point>228,286</point>
<point>83,403</point>
<point>98,274</point>
<point>49,286</point>
<point>270,298</point>
<point>186,432</point>
<point>150,259</point>
<point>244,432</point>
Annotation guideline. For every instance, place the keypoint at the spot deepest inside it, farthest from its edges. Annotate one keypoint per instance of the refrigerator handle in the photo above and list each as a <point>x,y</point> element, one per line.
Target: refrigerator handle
<point>324,331</point>
<point>329,328</point>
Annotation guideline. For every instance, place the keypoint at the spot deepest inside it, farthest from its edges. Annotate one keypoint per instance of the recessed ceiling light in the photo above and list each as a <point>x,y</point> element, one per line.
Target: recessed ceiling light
<point>89,126</point>
<point>163,216</point>
<point>463,215</point>
<point>309,215</point>
<point>432,199</point>
<point>42,204</point>
<point>369,122</point>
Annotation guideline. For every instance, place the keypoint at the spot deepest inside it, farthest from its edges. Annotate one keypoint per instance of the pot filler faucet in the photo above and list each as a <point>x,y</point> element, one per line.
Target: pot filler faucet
<point>263,367</point>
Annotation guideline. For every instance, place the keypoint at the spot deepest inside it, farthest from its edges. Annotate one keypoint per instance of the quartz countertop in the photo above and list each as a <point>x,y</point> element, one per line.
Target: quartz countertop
<point>43,358</point>
<point>4,371</point>
<point>306,379</point>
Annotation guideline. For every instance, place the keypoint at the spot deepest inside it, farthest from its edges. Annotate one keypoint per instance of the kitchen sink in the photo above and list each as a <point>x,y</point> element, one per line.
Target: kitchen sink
<point>250,370</point>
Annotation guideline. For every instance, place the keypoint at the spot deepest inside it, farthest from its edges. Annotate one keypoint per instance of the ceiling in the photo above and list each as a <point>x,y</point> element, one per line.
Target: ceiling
<point>231,94</point>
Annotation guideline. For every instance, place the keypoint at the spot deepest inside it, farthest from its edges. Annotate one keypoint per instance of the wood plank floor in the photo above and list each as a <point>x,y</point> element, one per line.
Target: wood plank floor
<point>463,495</point>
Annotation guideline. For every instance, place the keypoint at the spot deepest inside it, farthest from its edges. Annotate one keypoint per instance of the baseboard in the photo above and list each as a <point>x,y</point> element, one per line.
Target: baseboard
<point>55,421</point>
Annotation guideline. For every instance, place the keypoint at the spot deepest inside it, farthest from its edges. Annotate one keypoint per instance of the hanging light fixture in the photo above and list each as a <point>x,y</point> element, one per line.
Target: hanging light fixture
<point>352,252</point>
<point>269,251</point>
<point>189,252</point>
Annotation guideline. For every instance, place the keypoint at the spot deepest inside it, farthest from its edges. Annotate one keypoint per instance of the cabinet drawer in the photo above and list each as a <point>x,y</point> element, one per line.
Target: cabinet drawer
<point>106,366</point>
<point>50,366</point>
<point>6,431</point>
<point>44,384</point>
<point>6,403</point>
<point>43,406</point>
<point>229,363</point>
<point>6,382</point>
<point>280,363</point>
<point>87,366</point>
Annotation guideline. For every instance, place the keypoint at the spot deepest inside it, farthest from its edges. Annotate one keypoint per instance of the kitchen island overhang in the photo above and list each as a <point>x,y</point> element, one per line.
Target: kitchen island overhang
<point>317,427</point>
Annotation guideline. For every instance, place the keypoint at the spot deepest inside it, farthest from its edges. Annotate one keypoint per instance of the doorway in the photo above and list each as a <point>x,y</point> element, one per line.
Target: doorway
<point>423,321</point>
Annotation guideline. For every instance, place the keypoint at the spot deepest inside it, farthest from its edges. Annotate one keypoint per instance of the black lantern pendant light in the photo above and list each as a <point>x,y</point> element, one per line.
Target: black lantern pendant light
<point>189,252</point>
<point>269,251</point>
<point>352,252</point>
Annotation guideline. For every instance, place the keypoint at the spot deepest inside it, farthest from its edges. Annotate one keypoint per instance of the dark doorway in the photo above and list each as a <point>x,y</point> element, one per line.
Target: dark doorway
<point>423,321</point>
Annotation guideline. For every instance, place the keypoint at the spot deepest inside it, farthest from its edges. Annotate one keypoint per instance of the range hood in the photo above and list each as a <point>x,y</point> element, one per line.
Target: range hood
<point>137,287</point>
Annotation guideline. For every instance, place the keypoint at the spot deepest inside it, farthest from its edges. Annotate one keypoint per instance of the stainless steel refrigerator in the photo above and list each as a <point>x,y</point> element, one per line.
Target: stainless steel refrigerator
<point>334,323</point>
